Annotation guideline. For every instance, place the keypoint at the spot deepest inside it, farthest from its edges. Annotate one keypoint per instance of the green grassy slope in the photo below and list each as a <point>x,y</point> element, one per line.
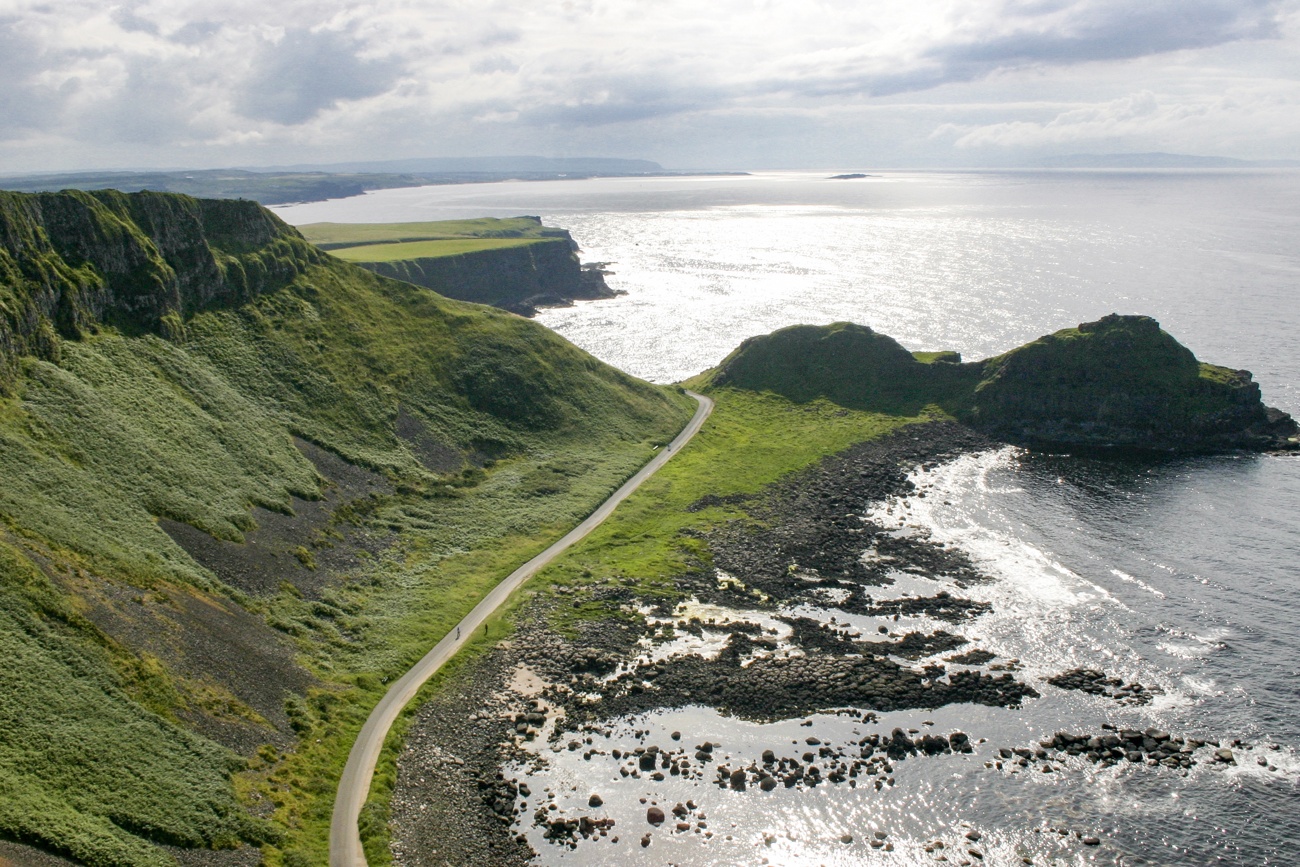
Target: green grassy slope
<point>429,249</point>
<point>162,354</point>
<point>329,236</point>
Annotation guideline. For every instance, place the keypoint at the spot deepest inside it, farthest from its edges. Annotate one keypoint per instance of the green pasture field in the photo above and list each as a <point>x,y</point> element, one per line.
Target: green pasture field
<point>397,252</point>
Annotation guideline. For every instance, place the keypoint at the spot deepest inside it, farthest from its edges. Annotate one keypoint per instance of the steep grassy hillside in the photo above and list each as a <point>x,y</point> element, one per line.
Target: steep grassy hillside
<point>1118,382</point>
<point>241,485</point>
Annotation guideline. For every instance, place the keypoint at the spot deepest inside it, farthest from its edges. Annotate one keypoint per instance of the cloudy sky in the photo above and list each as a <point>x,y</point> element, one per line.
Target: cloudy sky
<point>720,84</point>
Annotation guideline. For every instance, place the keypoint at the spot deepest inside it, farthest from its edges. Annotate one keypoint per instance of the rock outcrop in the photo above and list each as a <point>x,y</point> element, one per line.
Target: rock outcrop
<point>1122,382</point>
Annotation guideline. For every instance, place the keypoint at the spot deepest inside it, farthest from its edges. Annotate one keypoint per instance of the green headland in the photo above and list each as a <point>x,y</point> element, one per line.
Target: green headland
<point>516,263</point>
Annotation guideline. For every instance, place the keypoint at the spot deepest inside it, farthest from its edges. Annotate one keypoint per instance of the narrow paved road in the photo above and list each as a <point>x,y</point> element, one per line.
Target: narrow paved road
<point>354,786</point>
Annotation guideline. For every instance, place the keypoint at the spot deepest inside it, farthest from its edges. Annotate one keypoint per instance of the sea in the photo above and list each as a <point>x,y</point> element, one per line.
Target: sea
<point>1180,573</point>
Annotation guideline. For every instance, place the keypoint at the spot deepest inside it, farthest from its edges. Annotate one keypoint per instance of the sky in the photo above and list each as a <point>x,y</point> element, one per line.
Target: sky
<point>723,84</point>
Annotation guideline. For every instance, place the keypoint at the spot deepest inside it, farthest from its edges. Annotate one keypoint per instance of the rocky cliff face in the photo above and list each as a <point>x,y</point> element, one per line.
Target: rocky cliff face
<point>71,262</point>
<point>518,279</point>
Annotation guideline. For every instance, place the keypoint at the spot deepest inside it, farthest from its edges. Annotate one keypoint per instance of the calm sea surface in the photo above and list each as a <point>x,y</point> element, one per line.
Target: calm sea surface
<point>1183,574</point>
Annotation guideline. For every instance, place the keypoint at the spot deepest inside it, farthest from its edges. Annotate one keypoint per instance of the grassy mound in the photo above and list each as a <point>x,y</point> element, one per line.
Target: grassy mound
<point>846,363</point>
<point>171,364</point>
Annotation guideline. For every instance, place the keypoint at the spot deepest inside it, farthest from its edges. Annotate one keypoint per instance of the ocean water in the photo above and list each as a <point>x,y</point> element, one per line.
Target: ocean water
<point>1182,574</point>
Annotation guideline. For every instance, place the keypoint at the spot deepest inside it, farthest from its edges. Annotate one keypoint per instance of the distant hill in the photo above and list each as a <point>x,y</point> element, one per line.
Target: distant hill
<point>491,165</point>
<point>1157,161</point>
<point>285,184</point>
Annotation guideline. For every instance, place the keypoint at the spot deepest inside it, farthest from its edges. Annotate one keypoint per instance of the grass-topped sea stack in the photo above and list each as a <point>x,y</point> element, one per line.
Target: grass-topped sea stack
<point>1118,383</point>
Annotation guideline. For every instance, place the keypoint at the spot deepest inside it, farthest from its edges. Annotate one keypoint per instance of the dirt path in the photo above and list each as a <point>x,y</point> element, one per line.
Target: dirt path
<point>354,785</point>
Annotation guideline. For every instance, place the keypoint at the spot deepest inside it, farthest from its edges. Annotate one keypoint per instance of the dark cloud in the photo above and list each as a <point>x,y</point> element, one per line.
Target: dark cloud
<point>195,32</point>
<point>1068,32</point>
<point>1114,31</point>
<point>307,72</point>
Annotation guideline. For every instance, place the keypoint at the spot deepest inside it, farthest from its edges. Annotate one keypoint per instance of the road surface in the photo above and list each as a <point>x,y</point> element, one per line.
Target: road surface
<point>354,785</point>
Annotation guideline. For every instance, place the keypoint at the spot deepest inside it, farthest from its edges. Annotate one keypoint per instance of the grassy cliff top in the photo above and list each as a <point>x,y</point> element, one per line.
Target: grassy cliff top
<point>401,251</point>
<point>329,236</point>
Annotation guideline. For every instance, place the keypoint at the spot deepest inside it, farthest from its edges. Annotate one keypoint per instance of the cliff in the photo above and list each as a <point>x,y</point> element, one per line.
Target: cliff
<point>544,273</point>
<point>73,261</point>
<point>1118,383</point>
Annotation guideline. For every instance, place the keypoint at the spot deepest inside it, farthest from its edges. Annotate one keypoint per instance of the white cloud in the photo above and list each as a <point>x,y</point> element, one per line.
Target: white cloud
<point>1142,117</point>
<point>344,78</point>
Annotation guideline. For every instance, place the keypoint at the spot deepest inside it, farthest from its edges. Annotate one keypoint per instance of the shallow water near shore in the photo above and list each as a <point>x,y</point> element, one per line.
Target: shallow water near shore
<point>1055,533</point>
<point>1178,574</point>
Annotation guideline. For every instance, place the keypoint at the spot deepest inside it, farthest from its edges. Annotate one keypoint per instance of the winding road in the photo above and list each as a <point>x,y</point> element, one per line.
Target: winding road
<point>354,785</point>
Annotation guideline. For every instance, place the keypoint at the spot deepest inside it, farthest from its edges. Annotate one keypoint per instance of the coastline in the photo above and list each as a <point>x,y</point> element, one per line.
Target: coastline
<point>453,804</point>
<point>467,775</point>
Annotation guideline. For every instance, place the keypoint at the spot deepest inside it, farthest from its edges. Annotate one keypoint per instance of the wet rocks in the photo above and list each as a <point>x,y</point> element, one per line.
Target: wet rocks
<point>1095,682</point>
<point>655,816</point>
<point>972,657</point>
<point>770,688</point>
<point>813,534</point>
<point>1152,747</point>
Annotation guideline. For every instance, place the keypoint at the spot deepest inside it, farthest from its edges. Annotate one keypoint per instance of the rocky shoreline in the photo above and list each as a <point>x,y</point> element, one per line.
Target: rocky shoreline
<point>743,645</point>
